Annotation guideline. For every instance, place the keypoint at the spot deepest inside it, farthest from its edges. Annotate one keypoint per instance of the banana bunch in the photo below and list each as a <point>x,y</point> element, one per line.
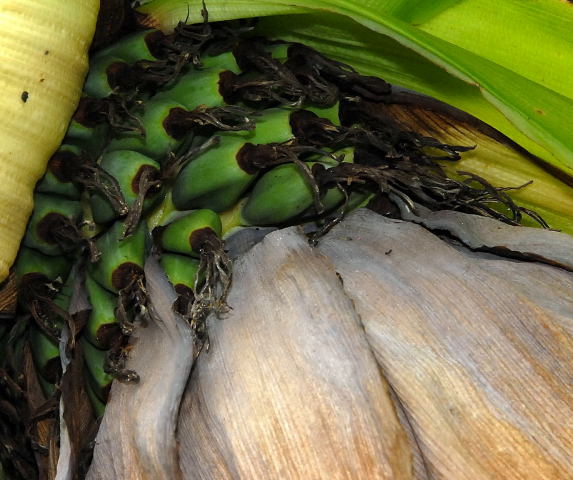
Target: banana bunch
<point>178,141</point>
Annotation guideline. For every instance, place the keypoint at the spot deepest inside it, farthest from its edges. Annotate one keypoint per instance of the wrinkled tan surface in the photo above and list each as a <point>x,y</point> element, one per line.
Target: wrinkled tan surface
<point>289,388</point>
<point>484,373</point>
<point>474,378</point>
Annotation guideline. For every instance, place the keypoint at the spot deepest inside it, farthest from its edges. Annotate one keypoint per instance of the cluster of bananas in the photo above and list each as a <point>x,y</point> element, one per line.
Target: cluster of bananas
<point>181,139</point>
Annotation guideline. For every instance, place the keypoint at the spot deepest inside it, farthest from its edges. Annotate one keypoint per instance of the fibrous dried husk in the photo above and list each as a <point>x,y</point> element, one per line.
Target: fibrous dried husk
<point>488,234</point>
<point>483,372</point>
<point>289,388</point>
<point>473,381</point>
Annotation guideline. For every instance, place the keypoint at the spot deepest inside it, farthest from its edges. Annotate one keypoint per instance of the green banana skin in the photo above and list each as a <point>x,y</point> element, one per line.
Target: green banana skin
<point>134,47</point>
<point>90,138</point>
<point>54,180</point>
<point>195,88</point>
<point>33,262</point>
<point>201,87</point>
<point>100,81</point>
<point>181,270</point>
<point>95,361</point>
<point>278,196</point>
<point>273,126</point>
<point>120,259</point>
<point>117,60</point>
<point>158,140</point>
<point>215,180</point>
<point>223,61</point>
<point>46,354</point>
<point>102,327</point>
<point>284,193</point>
<point>185,234</point>
<point>48,208</point>
<point>125,166</point>
<point>226,60</point>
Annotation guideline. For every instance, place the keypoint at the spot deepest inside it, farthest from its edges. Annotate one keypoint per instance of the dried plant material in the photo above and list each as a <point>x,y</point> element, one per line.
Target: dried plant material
<point>548,287</point>
<point>42,421</point>
<point>497,159</point>
<point>486,233</point>
<point>8,297</point>
<point>289,387</point>
<point>482,372</point>
<point>137,435</point>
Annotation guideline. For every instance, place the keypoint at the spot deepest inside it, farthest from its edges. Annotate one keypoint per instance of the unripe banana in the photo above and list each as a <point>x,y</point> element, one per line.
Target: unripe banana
<point>220,62</point>
<point>187,235</point>
<point>89,133</point>
<point>45,44</point>
<point>279,196</point>
<point>102,327</point>
<point>127,167</point>
<point>106,75</point>
<point>285,192</point>
<point>56,180</point>
<point>50,215</point>
<point>273,126</point>
<point>161,133</point>
<point>33,262</point>
<point>120,260</point>
<point>216,179</point>
<point>181,271</point>
<point>195,88</point>
<point>144,45</point>
<point>46,354</point>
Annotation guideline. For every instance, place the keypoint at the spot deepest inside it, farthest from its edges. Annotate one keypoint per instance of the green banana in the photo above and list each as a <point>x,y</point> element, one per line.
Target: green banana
<point>222,61</point>
<point>128,168</point>
<point>195,88</point>
<point>144,45</point>
<point>216,179</point>
<point>112,68</point>
<point>121,260</point>
<point>88,130</point>
<point>285,192</point>
<point>162,133</point>
<point>56,180</point>
<point>107,74</point>
<point>46,354</point>
<point>32,263</point>
<point>182,271</point>
<point>190,233</point>
<point>51,220</point>
<point>102,327</point>
<point>95,360</point>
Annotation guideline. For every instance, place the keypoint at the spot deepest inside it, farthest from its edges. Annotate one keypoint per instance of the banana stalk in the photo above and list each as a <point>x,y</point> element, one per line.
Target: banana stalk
<point>44,44</point>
